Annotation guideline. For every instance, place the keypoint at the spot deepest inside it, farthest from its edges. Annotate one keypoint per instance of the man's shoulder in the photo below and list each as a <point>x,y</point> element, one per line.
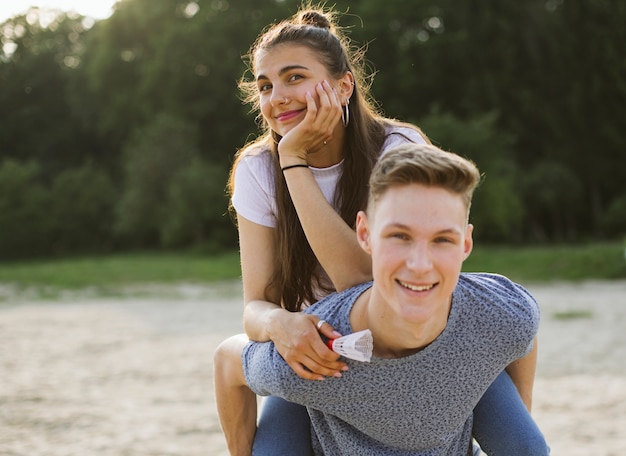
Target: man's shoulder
<point>489,283</point>
<point>495,291</point>
<point>336,306</point>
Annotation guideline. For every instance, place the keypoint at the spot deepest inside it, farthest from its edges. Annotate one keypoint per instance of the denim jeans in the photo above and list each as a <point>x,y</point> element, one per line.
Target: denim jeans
<point>502,425</point>
<point>284,428</point>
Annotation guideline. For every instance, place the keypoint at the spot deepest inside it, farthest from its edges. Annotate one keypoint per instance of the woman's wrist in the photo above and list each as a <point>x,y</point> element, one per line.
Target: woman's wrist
<point>274,317</point>
<point>290,161</point>
<point>297,165</point>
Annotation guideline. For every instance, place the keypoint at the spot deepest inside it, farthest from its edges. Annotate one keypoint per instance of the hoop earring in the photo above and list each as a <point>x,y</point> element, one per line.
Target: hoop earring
<point>345,114</point>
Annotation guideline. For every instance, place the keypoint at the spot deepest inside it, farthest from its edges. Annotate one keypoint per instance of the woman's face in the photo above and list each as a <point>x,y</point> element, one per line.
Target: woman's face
<point>284,75</point>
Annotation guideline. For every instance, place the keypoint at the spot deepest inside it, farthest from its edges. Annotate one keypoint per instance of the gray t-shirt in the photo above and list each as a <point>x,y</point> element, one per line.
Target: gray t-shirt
<point>416,405</point>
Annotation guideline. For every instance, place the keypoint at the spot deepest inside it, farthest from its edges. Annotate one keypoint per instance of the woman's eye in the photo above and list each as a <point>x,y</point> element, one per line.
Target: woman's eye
<point>294,77</point>
<point>400,236</point>
<point>264,86</point>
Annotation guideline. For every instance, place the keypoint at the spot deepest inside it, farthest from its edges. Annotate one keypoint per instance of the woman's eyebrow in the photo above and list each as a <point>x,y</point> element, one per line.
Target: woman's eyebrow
<point>284,70</point>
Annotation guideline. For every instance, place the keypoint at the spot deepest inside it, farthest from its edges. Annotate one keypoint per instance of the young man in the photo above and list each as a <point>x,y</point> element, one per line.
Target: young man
<point>440,337</point>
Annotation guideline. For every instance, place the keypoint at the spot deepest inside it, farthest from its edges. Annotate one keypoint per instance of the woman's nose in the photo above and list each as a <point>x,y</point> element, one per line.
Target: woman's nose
<point>278,97</point>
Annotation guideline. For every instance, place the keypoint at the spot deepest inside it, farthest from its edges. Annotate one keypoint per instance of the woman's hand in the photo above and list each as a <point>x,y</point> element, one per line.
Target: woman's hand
<point>315,130</point>
<point>298,341</point>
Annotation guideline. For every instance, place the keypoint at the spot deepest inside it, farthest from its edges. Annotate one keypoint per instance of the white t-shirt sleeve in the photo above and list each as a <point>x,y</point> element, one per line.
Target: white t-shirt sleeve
<point>253,196</point>
<point>401,135</point>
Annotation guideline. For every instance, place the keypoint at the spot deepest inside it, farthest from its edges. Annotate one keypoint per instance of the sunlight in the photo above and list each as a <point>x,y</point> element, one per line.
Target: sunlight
<point>100,9</point>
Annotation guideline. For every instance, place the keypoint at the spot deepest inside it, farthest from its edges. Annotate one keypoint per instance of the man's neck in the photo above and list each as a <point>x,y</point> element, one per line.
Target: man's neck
<point>395,337</point>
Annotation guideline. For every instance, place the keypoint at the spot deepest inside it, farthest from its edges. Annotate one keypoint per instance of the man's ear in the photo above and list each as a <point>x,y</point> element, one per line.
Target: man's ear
<point>469,241</point>
<point>363,231</point>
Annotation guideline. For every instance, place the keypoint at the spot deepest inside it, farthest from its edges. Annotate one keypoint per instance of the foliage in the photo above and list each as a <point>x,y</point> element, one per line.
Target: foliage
<point>37,123</point>
<point>614,219</point>
<point>172,197</point>
<point>532,91</point>
<point>193,204</point>
<point>24,205</point>
<point>82,209</point>
<point>497,209</point>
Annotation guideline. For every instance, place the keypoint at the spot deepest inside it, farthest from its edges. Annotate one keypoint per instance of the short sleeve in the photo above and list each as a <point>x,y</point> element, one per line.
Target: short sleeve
<point>397,135</point>
<point>253,195</point>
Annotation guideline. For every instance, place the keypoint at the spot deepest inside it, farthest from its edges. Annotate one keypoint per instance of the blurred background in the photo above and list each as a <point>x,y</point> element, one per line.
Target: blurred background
<point>117,134</point>
<point>118,127</point>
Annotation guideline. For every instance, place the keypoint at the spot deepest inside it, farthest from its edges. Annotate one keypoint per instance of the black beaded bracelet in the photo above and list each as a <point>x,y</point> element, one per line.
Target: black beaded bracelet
<point>299,165</point>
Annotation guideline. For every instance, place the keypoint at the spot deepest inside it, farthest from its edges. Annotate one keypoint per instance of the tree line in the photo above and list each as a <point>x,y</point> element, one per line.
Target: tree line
<point>118,134</point>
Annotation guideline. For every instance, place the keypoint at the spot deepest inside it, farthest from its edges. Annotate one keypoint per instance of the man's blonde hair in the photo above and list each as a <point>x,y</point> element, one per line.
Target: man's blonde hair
<point>427,165</point>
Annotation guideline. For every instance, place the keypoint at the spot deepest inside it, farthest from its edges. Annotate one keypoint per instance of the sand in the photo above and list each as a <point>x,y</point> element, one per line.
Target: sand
<point>132,374</point>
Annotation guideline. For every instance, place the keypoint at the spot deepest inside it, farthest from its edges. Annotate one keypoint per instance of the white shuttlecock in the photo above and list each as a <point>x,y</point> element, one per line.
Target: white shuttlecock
<point>357,346</point>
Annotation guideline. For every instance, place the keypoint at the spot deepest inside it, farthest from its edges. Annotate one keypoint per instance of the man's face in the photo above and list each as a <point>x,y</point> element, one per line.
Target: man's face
<point>418,238</point>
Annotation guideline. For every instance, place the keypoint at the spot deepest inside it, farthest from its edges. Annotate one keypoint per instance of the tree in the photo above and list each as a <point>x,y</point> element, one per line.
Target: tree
<point>81,212</point>
<point>37,61</point>
<point>196,205</point>
<point>152,157</point>
<point>497,210</point>
<point>25,229</point>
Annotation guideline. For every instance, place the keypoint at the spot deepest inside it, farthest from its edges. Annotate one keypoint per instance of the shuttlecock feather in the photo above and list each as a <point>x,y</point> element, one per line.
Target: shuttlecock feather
<point>357,346</point>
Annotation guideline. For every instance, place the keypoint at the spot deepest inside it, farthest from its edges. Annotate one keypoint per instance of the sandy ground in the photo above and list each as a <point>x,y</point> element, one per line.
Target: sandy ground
<point>132,375</point>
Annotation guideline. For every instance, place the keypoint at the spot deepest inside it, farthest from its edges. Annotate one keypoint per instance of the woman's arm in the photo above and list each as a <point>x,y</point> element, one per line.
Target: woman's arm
<point>332,240</point>
<point>295,335</point>
<point>522,372</point>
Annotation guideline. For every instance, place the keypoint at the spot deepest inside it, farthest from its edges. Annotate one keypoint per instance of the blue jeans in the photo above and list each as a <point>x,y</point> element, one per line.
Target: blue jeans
<point>284,428</point>
<point>502,425</point>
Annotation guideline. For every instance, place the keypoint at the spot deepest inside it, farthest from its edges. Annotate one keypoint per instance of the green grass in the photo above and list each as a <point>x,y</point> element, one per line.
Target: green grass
<point>572,315</point>
<point>121,270</point>
<point>551,263</point>
<point>524,264</point>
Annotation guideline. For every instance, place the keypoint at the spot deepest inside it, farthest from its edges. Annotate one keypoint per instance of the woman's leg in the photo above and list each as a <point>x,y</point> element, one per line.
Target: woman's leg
<point>236,403</point>
<point>283,428</point>
<point>502,424</point>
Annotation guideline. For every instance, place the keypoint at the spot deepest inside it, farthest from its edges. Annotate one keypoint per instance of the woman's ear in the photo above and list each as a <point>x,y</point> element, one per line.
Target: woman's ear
<point>346,85</point>
<point>363,231</point>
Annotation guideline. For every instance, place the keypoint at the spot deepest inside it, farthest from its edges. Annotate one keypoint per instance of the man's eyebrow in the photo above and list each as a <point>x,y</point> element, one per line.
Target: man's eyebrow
<point>404,226</point>
<point>283,71</point>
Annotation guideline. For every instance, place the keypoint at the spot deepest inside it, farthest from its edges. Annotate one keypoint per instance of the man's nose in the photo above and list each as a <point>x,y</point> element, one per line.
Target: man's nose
<point>419,258</point>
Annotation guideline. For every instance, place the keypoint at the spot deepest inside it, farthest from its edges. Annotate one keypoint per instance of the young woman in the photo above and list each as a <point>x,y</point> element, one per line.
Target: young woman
<point>296,191</point>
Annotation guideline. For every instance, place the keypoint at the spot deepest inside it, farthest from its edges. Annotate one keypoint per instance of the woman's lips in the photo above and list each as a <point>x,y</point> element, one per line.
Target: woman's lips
<point>288,115</point>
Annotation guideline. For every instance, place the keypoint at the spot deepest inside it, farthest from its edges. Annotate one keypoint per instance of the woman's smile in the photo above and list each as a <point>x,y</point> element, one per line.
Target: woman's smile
<point>289,115</point>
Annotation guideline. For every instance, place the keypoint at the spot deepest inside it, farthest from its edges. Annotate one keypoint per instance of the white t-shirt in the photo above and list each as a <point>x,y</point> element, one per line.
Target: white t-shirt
<point>254,193</point>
